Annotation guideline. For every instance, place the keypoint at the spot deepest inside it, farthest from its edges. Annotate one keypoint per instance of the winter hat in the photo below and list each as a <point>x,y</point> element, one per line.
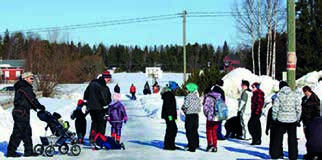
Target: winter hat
<point>80,102</point>
<point>26,75</point>
<point>173,85</point>
<point>220,82</point>
<point>106,74</point>
<point>282,84</point>
<point>191,87</point>
<point>256,84</point>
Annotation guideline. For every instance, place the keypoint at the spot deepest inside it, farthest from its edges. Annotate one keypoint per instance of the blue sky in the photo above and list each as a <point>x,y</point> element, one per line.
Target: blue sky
<point>19,15</point>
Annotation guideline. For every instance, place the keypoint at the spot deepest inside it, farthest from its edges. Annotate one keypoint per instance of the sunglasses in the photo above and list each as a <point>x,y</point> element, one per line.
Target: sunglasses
<point>31,78</point>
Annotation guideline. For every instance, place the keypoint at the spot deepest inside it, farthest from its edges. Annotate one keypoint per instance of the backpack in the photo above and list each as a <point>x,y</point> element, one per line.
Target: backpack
<point>221,110</point>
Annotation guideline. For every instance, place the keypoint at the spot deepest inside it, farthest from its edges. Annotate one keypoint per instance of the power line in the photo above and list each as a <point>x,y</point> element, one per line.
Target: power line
<point>132,20</point>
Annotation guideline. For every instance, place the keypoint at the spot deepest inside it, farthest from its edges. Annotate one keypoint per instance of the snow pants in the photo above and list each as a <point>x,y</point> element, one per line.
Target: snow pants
<point>170,134</point>
<point>21,132</point>
<point>80,125</point>
<point>116,128</point>
<point>255,128</point>
<point>192,125</point>
<point>277,142</point>
<point>211,131</point>
<point>98,123</point>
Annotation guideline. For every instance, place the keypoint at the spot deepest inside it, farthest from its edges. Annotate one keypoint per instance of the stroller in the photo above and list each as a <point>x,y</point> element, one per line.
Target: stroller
<point>61,137</point>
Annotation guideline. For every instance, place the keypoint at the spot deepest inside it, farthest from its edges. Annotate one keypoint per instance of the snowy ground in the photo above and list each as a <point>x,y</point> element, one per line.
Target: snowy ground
<point>143,134</point>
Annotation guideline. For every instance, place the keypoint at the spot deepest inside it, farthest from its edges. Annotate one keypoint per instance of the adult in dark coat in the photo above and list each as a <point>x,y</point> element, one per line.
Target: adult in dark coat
<point>146,89</point>
<point>310,108</point>
<point>169,114</point>
<point>217,88</point>
<point>314,143</point>
<point>24,100</point>
<point>80,122</point>
<point>97,95</point>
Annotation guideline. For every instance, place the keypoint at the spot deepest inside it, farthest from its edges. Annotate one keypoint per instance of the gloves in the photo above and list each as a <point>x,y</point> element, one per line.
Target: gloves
<point>170,118</point>
<point>266,132</point>
<point>125,119</point>
<point>42,107</point>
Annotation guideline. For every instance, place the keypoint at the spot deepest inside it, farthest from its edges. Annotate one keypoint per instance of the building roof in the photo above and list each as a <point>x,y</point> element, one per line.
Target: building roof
<point>12,63</point>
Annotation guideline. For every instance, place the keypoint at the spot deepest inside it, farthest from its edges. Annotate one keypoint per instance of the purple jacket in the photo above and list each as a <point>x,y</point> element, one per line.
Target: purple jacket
<point>208,108</point>
<point>117,112</point>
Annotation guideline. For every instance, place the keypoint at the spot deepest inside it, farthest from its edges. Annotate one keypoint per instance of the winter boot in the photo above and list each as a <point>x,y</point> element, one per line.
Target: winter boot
<point>209,147</point>
<point>14,154</point>
<point>214,149</point>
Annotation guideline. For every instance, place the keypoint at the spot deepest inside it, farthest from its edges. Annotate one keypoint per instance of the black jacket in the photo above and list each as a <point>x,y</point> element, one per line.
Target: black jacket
<point>169,106</point>
<point>97,94</point>
<point>25,99</point>
<point>310,108</point>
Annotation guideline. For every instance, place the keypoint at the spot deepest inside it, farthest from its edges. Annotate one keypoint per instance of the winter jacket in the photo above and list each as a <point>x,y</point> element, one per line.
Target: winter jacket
<point>117,112</point>
<point>78,114</point>
<point>257,102</point>
<point>169,106</point>
<point>287,106</point>
<point>244,101</point>
<point>314,143</point>
<point>209,105</point>
<point>310,108</point>
<point>191,103</point>
<point>25,99</point>
<point>97,94</point>
<point>132,89</point>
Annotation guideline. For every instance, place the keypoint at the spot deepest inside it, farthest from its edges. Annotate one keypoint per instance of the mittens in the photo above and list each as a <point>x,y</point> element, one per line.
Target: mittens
<point>170,118</point>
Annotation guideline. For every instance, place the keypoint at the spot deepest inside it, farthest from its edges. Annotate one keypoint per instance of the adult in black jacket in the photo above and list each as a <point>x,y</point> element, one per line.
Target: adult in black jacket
<point>97,95</point>
<point>310,108</point>
<point>169,114</point>
<point>24,100</point>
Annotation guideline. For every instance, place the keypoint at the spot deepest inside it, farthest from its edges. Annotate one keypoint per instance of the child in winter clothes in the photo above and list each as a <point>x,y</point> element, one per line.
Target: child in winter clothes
<point>80,122</point>
<point>211,125</point>
<point>116,116</point>
<point>191,108</point>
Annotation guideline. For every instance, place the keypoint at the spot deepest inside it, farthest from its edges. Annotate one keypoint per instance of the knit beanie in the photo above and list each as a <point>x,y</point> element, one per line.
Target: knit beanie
<point>26,75</point>
<point>80,102</point>
<point>106,74</point>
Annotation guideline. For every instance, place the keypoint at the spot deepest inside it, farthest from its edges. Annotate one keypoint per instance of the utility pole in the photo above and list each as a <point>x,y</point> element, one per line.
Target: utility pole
<point>184,44</point>
<point>291,52</point>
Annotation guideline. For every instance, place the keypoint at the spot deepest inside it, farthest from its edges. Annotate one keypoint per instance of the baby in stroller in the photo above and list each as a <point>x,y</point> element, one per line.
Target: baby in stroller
<point>60,137</point>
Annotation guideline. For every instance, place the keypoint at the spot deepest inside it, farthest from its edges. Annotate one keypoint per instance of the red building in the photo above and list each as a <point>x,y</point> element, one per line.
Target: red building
<point>11,73</point>
<point>231,62</point>
<point>11,70</point>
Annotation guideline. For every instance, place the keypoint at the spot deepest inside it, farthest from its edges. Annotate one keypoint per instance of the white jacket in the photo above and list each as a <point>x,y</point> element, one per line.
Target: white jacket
<point>287,106</point>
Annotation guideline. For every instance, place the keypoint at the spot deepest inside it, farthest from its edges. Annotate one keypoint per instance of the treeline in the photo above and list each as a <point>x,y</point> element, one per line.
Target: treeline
<point>73,63</point>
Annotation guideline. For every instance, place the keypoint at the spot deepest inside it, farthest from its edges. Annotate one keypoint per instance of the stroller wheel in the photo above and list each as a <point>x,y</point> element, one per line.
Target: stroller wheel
<point>50,151</point>
<point>39,149</point>
<point>76,149</point>
<point>63,149</point>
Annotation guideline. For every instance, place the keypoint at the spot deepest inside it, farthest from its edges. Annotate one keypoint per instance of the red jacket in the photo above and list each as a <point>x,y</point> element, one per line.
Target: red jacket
<point>257,102</point>
<point>132,89</point>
